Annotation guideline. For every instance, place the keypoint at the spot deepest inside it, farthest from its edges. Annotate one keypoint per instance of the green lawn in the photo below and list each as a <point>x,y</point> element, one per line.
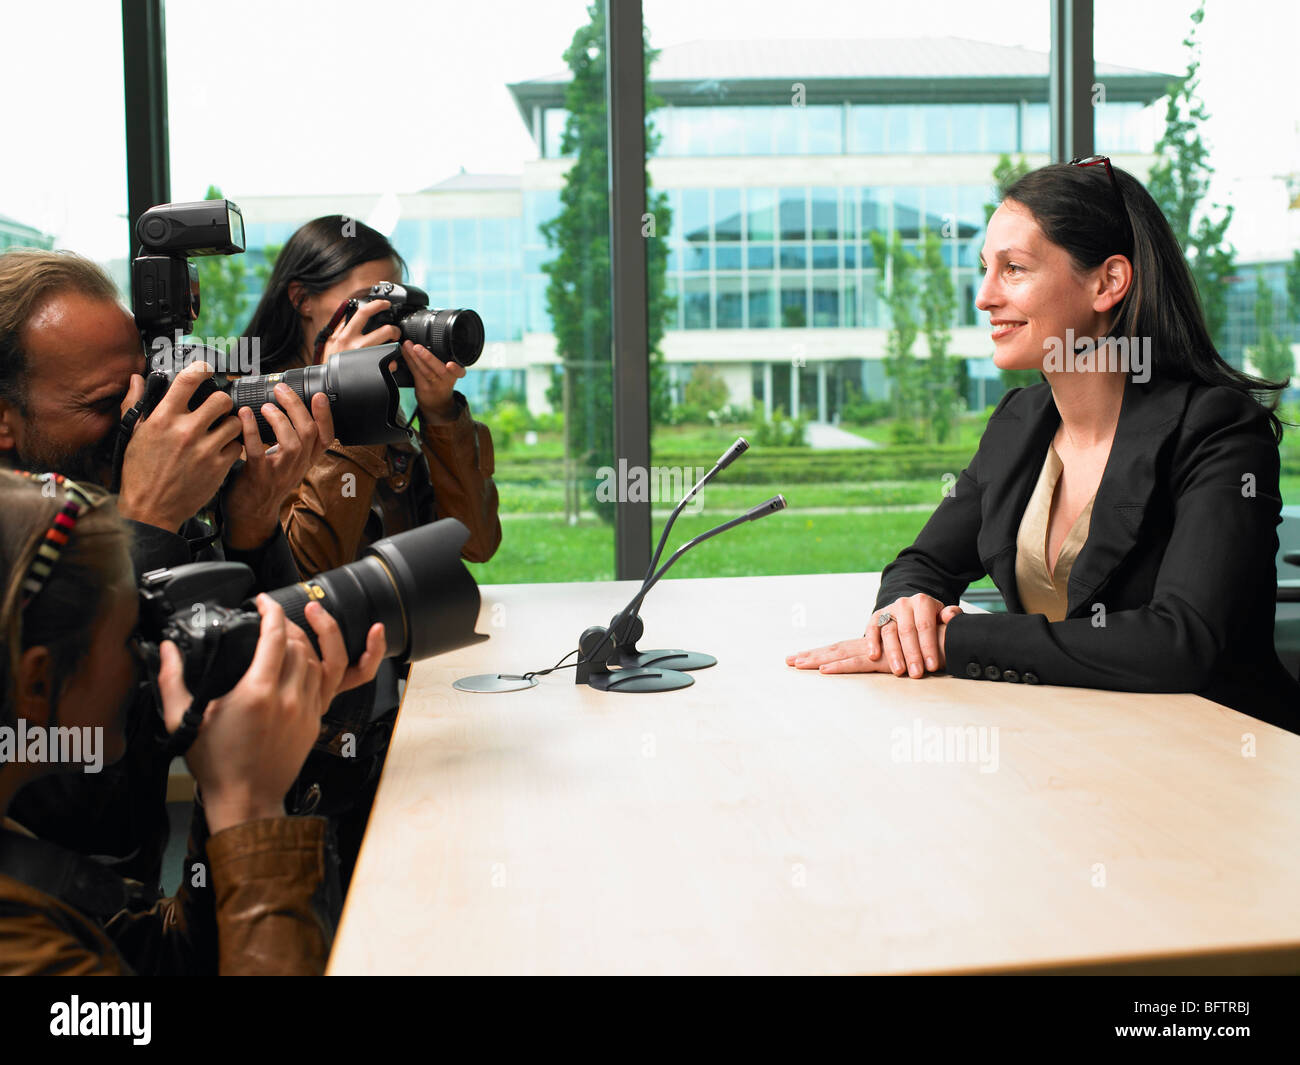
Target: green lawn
<point>546,549</point>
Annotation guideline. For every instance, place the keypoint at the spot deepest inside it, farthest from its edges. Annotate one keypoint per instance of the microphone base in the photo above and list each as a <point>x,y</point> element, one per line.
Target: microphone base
<point>640,680</point>
<point>674,659</point>
<point>490,683</point>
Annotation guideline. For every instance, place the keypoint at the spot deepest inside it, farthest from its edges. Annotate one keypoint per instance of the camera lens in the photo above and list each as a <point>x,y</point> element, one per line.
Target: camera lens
<point>414,582</point>
<point>450,334</point>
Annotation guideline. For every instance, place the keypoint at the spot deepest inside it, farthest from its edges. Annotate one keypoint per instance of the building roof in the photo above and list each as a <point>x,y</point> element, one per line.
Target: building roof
<point>902,70</point>
<point>476,182</point>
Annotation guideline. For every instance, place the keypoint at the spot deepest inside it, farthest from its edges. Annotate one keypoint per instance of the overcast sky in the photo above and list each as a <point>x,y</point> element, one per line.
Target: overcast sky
<point>272,97</point>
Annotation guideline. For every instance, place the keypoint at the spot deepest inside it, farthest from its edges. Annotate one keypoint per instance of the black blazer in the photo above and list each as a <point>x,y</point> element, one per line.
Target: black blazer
<point>1180,553</point>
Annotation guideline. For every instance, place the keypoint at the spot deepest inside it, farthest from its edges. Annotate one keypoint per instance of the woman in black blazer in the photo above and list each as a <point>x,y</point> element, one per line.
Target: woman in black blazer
<point>1147,470</point>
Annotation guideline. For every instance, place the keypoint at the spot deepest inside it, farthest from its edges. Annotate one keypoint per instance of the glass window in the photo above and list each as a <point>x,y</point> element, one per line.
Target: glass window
<point>906,129</point>
<point>695,214</point>
<point>867,129</point>
<point>1036,129</point>
<point>825,256</point>
<point>730,314</point>
<point>760,213</point>
<point>825,129</point>
<point>999,127</point>
<point>794,256</point>
<point>794,209</point>
<point>826,302</point>
<point>967,128</point>
<point>794,304</point>
<point>935,119</point>
<point>727,256</point>
<point>697,257</point>
<point>761,295</point>
<point>907,210</point>
<point>696,302</point>
<point>757,126</point>
<point>788,130</point>
<point>728,131</point>
<point>825,214</point>
<point>760,257</point>
<point>726,214</point>
<point>872,211</point>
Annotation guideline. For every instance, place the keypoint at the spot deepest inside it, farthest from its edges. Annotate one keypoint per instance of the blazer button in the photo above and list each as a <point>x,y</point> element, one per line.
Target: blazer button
<point>1011,675</point>
<point>992,672</point>
<point>1031,678</point>
<point>973,670</point>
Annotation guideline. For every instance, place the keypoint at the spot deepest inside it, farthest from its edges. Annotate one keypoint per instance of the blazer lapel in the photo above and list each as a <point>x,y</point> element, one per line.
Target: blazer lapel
<point>1014,448</point>
<point>1148,414</point>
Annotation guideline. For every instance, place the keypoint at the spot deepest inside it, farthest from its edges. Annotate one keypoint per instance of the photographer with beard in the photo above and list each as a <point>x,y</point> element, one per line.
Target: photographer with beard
<point>71,365</point>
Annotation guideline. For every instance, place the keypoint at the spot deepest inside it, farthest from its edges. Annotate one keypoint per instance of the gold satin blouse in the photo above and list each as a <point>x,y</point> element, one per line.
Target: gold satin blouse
<point>1044,591</point>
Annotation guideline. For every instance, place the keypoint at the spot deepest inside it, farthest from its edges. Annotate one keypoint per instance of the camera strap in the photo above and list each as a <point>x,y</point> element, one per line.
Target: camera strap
<point>322,338</point>
<point>80,882</point>
<point>155,387</point>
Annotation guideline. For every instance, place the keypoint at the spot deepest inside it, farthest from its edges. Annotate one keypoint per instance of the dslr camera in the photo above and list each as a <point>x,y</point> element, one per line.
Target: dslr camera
<point>452,335</point>
<point>414,582</point>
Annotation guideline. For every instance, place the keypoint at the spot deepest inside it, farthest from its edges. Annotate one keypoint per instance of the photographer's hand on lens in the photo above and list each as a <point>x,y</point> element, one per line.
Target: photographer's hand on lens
<point>334,655</point>
<point>272,473</point>
<point>177,458</point>
<point>254,739</point>
<point>435,381</point>
<point>909,645</point>
<point>349,335</point>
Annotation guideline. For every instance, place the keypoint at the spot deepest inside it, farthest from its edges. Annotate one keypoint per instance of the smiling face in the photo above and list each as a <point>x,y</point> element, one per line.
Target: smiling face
<point>81,352</point>
<point>1034,292</point>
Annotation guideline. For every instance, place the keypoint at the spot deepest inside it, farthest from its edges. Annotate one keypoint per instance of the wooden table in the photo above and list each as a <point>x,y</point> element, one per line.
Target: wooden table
<point>764,820</point>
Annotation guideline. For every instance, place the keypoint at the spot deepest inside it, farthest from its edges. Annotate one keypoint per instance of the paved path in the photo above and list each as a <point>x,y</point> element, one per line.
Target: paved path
<point>822,435</point>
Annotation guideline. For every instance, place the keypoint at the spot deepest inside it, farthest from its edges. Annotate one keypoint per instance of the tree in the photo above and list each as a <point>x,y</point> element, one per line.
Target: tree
<point>706,389</point>
<point>1005,174</point>
<point>578,293</point>
<point>1293,289</point>
<point>1271,355</point>
<point>897,286</point>
<point>1179,182</point>
<point>938,301</point>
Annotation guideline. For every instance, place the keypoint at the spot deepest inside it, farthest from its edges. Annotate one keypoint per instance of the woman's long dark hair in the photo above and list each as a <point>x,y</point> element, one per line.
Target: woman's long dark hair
<point>1077,209</point>
<point>320,254</point>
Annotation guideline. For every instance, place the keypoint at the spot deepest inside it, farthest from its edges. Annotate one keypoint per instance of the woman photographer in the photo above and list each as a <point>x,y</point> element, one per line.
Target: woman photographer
<point>68,603</point>
<point>1126,508</point>
<point>357,494</point>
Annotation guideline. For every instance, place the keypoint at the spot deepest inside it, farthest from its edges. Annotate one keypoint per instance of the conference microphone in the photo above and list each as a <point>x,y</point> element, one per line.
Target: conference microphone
<point>598,650</point>
<point>626,636</point>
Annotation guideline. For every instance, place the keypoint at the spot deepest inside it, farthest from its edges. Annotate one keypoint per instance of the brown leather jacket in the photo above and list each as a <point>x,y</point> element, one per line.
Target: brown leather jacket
<point>261,916</point>
<point>356,495</point>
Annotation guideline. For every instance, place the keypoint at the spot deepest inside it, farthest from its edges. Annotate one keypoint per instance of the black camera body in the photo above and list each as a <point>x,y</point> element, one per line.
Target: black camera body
<point>452,335</point>
<point>413,582</point>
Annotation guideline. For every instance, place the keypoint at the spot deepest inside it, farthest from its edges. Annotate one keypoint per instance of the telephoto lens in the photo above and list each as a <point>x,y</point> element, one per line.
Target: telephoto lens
<point>414,582</point>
